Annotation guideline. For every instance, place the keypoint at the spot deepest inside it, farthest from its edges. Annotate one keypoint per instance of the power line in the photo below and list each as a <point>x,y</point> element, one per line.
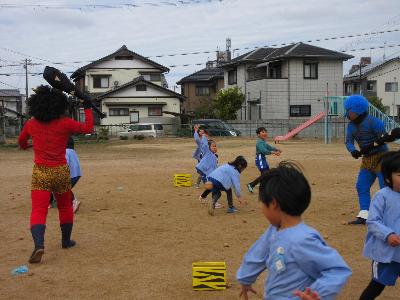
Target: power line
<point>9,85</point>
<point>380,74</point>
<point>88,7</point>
<point>183,65</point>
<point>213,51</point>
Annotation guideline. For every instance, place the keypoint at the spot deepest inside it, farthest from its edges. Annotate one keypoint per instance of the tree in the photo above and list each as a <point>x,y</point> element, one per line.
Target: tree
<point>377,102</point>
<point>227,103</point>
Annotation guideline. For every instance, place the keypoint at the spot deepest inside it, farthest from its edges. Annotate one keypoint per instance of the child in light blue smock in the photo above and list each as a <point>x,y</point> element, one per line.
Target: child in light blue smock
<point>382,244</point>
<point>299,262</point>
<point>201,138</point>
<point>224,178</point>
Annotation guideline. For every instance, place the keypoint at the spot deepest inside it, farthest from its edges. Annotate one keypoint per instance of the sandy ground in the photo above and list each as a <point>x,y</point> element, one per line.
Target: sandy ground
<point>137,235</point>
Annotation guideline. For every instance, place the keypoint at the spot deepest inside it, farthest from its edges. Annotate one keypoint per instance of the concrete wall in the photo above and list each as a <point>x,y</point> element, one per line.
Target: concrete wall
<point>283,126</point>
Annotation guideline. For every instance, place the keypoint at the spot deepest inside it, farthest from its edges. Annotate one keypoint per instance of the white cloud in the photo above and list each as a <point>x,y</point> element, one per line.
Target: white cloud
<point>72,35</point>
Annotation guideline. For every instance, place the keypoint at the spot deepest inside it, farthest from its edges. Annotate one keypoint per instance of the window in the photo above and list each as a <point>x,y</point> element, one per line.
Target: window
<point>141,87</point>
<point>300,110</point>
<point>100,82</point>
<point>144,127</point>
<point>202,91</point>
<point>275,70</point>
<point>158,127</point>
<point>256,73</point>
<point>119,112</point>
<point>371,86</point>
<point>310,71</point>
<point>232,76</point>
<point>151,76</point>
<point>155,111</point>
<point>124,57</point>
<point>391,87</point>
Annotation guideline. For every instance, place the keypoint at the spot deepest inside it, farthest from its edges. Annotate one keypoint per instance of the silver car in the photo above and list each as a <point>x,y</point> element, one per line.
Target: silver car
<point>144,129</point>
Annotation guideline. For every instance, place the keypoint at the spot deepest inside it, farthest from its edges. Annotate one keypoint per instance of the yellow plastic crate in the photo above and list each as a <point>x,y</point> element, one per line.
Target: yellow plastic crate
<point>183,180</point>
<point>209,276</point>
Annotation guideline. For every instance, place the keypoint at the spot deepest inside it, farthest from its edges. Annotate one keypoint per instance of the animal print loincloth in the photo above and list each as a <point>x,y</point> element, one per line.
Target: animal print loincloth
<point>53,179</point>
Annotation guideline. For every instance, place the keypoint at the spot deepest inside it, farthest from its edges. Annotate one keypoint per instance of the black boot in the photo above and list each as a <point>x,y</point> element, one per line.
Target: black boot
<point>37,232</point>
<point>66,230</point>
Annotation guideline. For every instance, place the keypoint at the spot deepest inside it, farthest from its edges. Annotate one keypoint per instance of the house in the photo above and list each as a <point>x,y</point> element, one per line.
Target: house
<point>12,102</point>
<point>286,82</point>
<point>201,87</point>
<point>129,88</point>
<point>378,79</point>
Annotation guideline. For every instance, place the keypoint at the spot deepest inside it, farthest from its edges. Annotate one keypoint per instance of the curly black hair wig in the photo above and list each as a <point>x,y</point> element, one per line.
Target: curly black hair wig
<point>47,103</point>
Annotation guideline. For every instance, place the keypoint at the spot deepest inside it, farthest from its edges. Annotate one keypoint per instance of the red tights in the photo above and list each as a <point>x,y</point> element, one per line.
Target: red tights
<point>40,204</point>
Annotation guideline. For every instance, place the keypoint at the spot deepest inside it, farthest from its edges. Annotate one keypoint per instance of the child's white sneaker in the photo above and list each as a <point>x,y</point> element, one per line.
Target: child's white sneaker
<point>75,205</point>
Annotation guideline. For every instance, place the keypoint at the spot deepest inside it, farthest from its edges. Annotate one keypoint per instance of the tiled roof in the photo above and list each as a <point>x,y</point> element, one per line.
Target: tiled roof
<point>136,81</point>
<point>206,74</point>
<point>302,50</point>
<point>370,68</point>
<point>9,93</point>
<point>120,52</point>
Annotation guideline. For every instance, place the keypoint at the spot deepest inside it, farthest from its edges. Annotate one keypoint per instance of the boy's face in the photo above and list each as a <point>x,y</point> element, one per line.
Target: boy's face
<point>201,132</point>
<point>263,134</point>
<point>272,212</point>
<point>352,116</point>
<point>396,181</point>
<point>213,148</point>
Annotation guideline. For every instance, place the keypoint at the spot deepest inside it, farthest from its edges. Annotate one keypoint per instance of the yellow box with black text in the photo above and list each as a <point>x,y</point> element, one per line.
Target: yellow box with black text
<point>183,180</point>
<point>209,276</point>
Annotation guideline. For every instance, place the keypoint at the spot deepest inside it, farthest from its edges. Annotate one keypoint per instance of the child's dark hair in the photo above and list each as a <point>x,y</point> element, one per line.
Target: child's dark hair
<point>390,165</point>
<point>239,163</point>
<point>70,143</point>
<point>204,129</point>
<point>288,186</point>
<point>259,129</point>
<point>47,104</point>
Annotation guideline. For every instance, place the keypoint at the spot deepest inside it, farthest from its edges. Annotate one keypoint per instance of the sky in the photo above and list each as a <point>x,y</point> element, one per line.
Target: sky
<point>68,31</point>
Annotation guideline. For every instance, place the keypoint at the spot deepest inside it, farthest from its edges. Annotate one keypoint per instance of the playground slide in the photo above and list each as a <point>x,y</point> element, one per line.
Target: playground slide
<point>299,128</point>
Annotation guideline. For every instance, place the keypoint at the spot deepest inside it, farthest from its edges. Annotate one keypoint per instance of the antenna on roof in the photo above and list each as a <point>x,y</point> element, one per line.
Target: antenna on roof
<point>384,51</point>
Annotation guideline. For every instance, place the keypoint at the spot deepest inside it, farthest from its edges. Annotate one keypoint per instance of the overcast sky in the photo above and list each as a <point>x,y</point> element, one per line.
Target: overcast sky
<point>87,34</point>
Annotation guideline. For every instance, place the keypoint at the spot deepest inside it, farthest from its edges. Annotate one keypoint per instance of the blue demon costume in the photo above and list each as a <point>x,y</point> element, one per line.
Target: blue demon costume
<point>365,130</point>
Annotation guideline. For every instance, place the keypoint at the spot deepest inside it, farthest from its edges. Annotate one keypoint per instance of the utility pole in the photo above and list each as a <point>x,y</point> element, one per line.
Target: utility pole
<point>2,124</point>
<point>394,90</point>
<point>360,78</point>
<point>26,63</point>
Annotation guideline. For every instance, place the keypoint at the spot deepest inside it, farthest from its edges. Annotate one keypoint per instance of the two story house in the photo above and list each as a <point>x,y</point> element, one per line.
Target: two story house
<point>287,82</point>
<point>12,100</point>
<point>129,88</point>
<point>201,87</point>
<point>380,79</point>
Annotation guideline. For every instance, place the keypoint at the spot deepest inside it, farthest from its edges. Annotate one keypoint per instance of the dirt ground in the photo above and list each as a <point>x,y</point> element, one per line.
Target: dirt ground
<point>137,235</point>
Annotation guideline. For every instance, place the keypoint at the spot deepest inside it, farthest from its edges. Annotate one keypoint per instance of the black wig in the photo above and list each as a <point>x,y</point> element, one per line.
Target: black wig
<point>47,104</point>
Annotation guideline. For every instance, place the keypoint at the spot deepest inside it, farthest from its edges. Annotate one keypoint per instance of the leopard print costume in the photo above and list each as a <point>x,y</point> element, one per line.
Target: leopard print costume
<point>52,179</point>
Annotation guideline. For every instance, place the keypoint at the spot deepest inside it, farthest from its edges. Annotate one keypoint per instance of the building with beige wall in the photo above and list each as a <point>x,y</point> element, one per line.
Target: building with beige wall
<point>129,88</point>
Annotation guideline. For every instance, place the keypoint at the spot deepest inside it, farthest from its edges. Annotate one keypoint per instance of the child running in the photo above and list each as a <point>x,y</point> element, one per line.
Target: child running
<point>300,264</point>
<point>75,174</point>
<point>50,130</point>
<point>207,164</point>
<point>222,179</point>
<point>382,244</point>
<point>201,139</point>
<point>262,149</point>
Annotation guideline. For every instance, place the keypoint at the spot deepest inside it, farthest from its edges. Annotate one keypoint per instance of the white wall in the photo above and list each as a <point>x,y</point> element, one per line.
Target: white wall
<point>386,75</point>
<point>173,105</point>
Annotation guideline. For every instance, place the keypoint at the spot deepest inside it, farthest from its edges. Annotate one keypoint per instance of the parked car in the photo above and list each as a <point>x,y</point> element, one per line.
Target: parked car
<point>144,129</point>
<point>217,127</point>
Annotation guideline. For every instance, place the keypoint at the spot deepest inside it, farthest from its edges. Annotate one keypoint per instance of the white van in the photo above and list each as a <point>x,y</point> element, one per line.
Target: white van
<point>145,129</point>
